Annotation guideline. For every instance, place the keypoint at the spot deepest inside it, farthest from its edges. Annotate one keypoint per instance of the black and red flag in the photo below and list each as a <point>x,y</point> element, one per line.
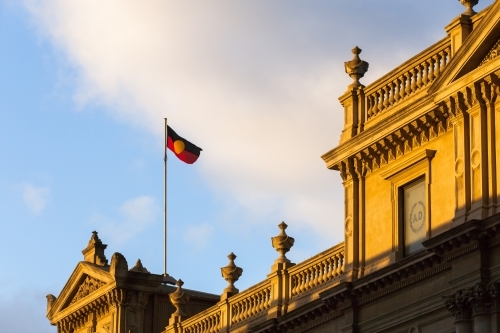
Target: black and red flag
<point>182,148</point>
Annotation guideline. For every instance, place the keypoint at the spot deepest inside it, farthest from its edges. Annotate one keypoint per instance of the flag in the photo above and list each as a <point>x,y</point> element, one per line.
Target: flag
<point>182,148</point>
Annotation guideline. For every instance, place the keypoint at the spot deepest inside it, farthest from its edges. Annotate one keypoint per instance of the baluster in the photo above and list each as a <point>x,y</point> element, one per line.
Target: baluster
<point>316,275</point>
<point>447,53</point>
<point>402,92</point>
<point>430,76</point>
<point>369,111</point>
<point>335,265</point>
<point>250,306</point>
<point>322,277</point>
<point>437,67</point>
<point>384,99</point>
<point>425,71</point>
<point>310,278</point>
<point>418,72</point>
<point>341,263</point>
<point>303,284</point>
<point>239,312</point>
<point>442,54</point>
<point>246,313</point>
<point>391,87</point>
<point>262,300</point>
<point>234,313</point>
<point>331,265</point>
<point>380,104</point>
<point>408,83</point>
<point>397,90</point>
<point>413,86</point>
<point>294,284</point>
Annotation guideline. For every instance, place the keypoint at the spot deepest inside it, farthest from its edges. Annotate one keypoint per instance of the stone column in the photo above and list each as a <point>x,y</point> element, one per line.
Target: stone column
<point>480,303</point>
<point>457,305</point>
<point>494,293</point>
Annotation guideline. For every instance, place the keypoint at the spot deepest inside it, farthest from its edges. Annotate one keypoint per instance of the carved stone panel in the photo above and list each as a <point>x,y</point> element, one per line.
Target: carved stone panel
<point>88,286</point>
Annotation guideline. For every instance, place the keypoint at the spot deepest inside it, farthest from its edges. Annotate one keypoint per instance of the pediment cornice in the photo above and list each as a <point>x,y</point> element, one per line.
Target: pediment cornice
<point>471,55</point>
<point>87,282</point>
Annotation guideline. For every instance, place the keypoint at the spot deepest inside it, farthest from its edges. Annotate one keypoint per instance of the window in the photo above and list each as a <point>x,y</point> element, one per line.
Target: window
<point>410,180</point>
<point>413,215</point>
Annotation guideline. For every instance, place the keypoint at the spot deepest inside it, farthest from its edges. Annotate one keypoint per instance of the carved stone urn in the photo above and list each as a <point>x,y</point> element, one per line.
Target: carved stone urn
<point>356,68</point>
<point>282,243</point>
<point>468,5</point>
<point>179,299</point>
<point>231,273</point>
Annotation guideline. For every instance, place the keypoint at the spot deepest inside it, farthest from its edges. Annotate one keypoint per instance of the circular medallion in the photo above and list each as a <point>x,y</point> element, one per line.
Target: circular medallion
<point>417,217</point>
<point>348,226</point>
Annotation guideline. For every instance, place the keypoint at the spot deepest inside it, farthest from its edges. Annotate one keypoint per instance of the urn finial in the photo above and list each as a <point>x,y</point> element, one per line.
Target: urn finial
<point>282,243</point>
<point>231,273</point>
<point>179,299</point>
<point>468,5</point>
<point>356,68</point>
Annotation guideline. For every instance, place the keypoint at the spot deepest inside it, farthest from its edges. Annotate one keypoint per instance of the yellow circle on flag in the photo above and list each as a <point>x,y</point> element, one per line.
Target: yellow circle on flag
<point>178,146</point>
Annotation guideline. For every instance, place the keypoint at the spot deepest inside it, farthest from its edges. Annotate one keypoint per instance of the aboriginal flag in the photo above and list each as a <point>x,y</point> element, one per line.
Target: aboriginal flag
<point>182,148</point>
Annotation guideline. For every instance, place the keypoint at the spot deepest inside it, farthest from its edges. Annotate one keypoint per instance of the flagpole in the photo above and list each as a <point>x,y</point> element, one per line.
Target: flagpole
<point>165,205</point>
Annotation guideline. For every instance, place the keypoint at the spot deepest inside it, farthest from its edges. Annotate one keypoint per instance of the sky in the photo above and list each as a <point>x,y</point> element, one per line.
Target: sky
<point>85,86</point>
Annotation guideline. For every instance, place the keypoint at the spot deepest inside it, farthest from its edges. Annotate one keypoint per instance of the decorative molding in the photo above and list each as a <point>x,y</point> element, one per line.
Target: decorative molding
<point>412,160</point>
<point>88,286</point>
<point>492,55</point>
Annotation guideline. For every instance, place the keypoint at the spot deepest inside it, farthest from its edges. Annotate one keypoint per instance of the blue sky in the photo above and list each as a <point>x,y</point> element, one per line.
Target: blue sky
<point>85,86</point>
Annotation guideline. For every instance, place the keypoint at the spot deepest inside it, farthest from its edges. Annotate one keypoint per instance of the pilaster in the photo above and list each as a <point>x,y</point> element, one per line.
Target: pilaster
<point>491,90</point>
<point>461,144</point>
<point>351,219</point>
<point>476,108</point>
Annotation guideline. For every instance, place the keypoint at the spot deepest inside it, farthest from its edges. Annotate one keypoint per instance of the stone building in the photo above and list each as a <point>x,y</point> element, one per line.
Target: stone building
<point>419,161</point>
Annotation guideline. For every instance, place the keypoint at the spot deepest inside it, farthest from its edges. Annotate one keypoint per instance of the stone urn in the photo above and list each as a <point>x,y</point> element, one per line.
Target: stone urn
<point>468,5</point>
<point>282,243</point>
<point>179,299</point>
<point>231,273</point>
<point>356,68</point>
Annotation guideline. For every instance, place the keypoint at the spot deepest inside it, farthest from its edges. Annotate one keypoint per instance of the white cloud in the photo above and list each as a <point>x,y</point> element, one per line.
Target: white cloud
<point>199,235</point>
<point>134,216</point>
<point>35,198</point>
<point>255,84</point>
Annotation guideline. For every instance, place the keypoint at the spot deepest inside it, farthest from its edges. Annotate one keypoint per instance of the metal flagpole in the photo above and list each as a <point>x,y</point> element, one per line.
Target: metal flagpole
<point>165,206</point>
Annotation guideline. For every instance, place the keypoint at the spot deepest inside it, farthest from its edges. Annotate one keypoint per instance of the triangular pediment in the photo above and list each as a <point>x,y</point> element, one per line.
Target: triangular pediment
<point>86,286</point>
<point>479,46</point>
<point>85,283</point>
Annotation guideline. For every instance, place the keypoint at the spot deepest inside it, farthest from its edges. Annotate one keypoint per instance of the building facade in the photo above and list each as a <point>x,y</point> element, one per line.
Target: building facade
<point>419,156</point>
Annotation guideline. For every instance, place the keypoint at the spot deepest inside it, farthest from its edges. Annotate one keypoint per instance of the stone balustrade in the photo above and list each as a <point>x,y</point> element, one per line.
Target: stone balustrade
<point>208,321</point>
<point>253,301</point>
<point>271,297</point>
<point>317,270</point>
<point>408,79</point>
